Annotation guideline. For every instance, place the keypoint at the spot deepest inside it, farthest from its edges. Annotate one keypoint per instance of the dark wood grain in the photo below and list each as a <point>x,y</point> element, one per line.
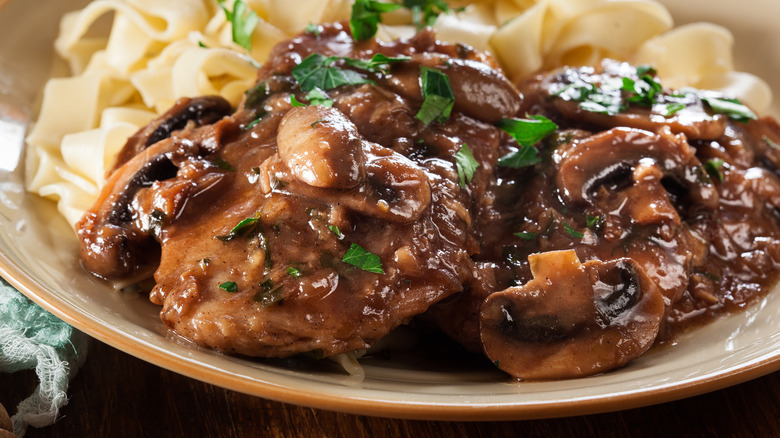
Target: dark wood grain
<point>116,395</point>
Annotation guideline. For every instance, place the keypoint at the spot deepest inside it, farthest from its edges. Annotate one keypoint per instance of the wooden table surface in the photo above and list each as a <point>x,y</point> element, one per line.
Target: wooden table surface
<point>117,395</point>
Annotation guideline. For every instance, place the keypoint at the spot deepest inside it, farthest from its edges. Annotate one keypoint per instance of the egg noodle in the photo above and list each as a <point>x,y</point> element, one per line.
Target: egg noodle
<point>154,53</point>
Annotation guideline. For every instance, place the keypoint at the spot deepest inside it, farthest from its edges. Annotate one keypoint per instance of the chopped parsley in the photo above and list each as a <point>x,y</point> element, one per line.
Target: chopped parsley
<point>645,90</point>
<point>714,167</point>
<point>243,227</point>
<point>320,71</point>
<point>359,257</point>
<point>527,132</point>
<point>572,231</point>
<point>466,165</point>
<point>243,21</point>
<point>229,286</point>
<point>335,230</point>
<point>771,143</point>
<point>670,109</point>
<point>313,29</point>
<point>425,12</point>
<point>733,108</point>
<point>379,63</point>
<point>222,164</point>
<point>317,71</point>
<point>437,95</point>
<point>366,15</point>
<point>294,272</point>
<point>254,123</point>
<point>315,97</point>
<point>591,221</point>
<point>525,235</point>
<point>269,293</point>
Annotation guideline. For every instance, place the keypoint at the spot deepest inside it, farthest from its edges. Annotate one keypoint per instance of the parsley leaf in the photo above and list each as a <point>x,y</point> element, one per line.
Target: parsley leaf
<point>670,109</point>
<point>591,221</point>
<point>222,164</point>
<point>243,21</point>
<point>525,235</point>
<point>229,286</point>
<point>366,15</point>
<point>243,227</point>
<point>294,272</point>
<point>733,108</point>
<point>379,63</point>
<point>466,165</point>
<point>438,98</point>
<point>714,167</point>
<point>335,230</point>
<point>771,143</point>
<point>317,71</point>
<point>527,132</point>
<point>425,12</point>
<point>572,231</point>
<point>315,97</point>
<point>269,294</point>
<point>313,29</point>
<point>357,256</point>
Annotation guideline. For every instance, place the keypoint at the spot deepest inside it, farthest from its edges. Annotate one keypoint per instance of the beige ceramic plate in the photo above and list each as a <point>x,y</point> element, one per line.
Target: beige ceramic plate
<point>39,257</point>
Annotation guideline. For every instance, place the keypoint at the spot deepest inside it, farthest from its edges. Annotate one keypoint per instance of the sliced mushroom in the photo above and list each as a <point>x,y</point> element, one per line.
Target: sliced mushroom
<point>321,147</point>
<point>116,241</point>
<point>110,246</point>
<point>693,120</point>
<point>200,111</point>
<point>631,157</point>
<point>572,319</point>
<point>328,160</point>
<point>480,92</point>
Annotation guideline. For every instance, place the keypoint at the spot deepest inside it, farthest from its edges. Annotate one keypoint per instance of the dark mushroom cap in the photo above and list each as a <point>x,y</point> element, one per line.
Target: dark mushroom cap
<point>572,319</point>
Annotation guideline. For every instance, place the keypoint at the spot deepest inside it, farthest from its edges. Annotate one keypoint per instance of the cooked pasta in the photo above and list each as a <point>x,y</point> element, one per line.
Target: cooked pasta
<point>157,52</point>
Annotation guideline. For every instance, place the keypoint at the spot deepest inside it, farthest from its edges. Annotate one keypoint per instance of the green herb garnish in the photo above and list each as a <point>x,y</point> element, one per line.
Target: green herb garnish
<point>591,221</point>
<point>733,108</point>
<point>222,164</point>
<point>243,21</point>
<point>571,231</point>
<point>315,97</point>
<point>527,132</point>
<point>466,165</point>
<point>671,109</point>
<point>269,294</point>
<point>525,235</point>
<point>714,167</point>
<point>359,257</point>
<point>366,15</point>
<point>771,143</point>
<point>379,63</point>
<point>335,230</point>
<point>317,71</point>
<point>243,227</point>
<point>425,12</point>
<point>320,71</point>
<point>438,98</point>
<point>229,286</point>
<point>313,29</point>
<point>293,272</point>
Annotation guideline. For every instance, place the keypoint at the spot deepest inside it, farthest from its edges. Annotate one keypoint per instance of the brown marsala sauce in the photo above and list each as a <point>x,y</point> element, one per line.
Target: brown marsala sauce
<point>628,227</point>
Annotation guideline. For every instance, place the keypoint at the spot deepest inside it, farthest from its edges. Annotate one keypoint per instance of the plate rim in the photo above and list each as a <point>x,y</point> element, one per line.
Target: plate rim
<point>412,410</point>
<point>42,295</point>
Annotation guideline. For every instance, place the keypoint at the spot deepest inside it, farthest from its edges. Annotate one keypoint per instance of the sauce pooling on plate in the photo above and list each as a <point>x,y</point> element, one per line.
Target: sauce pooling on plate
<point>560,229</point>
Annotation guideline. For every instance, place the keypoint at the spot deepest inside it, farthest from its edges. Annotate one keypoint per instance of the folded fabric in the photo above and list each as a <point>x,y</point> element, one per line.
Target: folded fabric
<point>32,338</point>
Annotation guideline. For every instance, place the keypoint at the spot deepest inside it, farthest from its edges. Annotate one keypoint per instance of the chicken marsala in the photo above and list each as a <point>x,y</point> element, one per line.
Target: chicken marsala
<point>559,228</point>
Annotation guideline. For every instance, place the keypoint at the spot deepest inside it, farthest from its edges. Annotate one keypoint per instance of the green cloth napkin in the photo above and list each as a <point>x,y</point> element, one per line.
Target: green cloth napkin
<point>32,338</point>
